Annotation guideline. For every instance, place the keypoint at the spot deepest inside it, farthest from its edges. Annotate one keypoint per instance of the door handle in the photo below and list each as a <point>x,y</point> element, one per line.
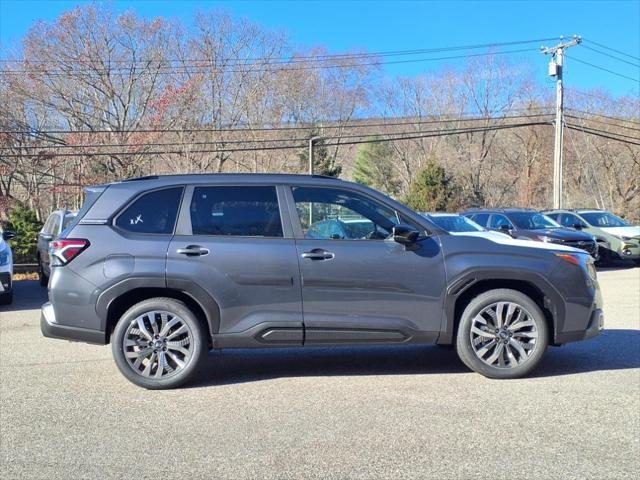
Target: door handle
<point>318,254</point>
<point>193,251</point>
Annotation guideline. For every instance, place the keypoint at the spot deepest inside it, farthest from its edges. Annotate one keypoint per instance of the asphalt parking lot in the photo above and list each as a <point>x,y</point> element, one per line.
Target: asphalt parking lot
<point>401,412</point>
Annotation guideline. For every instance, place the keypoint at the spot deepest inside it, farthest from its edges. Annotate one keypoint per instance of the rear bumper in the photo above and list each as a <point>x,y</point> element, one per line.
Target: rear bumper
<point>594,327</point>
<point>51,329</point>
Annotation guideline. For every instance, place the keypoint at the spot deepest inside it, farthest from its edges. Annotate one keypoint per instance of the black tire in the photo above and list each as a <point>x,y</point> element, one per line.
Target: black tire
<point>604,259</point>
<point>197,332</point>
<point>466,351</point>
<point>6,298</point>
<point>43,278</point>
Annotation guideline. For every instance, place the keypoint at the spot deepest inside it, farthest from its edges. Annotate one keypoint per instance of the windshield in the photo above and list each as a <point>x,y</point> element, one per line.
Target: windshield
<point>455,223</point>
<point>603,219</point>
<point>532,220</point>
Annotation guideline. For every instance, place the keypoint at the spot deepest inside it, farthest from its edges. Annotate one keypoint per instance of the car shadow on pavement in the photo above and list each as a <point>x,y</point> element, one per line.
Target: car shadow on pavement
<point>27,295</point>
<point>616,265</point>
<point>611,350</point>
<point>249,365</point>
<point>615,349</point>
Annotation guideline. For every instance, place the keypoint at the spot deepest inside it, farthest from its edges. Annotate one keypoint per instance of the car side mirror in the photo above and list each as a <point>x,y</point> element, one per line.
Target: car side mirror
<point>9,235</point>
<point>47,237</point>
<point>405,235</point>
<point>578,226</point>
<point>505,228</point>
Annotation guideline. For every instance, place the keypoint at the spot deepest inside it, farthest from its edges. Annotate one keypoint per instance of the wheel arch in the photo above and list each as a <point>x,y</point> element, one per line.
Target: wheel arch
<point>115,301</point>
<point>462,291</point>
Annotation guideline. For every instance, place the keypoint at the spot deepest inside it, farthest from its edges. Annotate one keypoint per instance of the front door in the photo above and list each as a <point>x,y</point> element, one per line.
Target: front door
<point>358,285</point>
<point>232,242</point>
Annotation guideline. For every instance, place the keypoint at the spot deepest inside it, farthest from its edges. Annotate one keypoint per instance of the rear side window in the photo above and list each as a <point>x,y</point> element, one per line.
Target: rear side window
<point>153,212</point>
<point>236,211</point>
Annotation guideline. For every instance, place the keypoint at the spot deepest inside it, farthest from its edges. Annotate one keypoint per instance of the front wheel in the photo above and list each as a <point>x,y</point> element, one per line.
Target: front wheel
<point>159,344</point>
<point>502,334</point>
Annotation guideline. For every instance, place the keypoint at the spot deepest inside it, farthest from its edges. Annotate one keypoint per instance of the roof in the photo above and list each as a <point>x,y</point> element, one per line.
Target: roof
<point>226,177</point>
<point>498,210</point>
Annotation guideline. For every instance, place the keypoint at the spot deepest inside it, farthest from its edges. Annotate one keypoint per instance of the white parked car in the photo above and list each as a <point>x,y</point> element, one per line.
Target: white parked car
<point>460,225</point>
<point>6,268</point>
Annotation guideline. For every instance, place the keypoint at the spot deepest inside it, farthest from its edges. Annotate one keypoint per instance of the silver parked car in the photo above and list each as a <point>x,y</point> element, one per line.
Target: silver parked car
<point>53,227</point>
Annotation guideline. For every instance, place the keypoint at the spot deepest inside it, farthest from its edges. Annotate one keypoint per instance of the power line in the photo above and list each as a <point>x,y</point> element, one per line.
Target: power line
<point>599,133</point>
<point>613,49</point>
<point>611,56</point>
<point>620,119</point>
<point>603,122</point>
<point>604,69</point>
<point>371,139</point>
<point>302,58</point>
<point>278,128</point>
<point>236,142</point>
<point>198,70</point>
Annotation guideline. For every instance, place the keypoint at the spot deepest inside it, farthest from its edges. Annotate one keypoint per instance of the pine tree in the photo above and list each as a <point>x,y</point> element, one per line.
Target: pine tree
<point>433,190</point>
<point>24,222</point>
<point>374,168</point>
<point>323,162</point>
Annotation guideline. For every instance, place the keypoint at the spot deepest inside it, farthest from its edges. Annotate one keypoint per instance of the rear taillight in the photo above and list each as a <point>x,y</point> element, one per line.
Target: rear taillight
<point>66,250</point>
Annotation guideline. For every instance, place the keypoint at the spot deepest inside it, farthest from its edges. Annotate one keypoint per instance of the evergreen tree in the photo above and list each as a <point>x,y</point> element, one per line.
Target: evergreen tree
<point>433,190</point>
<point>374,168</point>
<point>323,162</point>
<point>24,222</point>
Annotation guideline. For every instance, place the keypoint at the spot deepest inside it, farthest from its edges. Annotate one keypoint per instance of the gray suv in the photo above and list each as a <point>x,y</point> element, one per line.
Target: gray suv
<point>166,268</point>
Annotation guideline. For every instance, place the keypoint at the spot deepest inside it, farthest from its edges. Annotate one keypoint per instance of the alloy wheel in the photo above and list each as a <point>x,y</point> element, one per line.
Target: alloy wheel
<point>504,335</point>
<point>158,344</point>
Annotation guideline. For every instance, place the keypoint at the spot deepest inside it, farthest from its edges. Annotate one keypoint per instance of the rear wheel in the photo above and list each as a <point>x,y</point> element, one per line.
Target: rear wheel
<point>502,334</point>
<point>43,278</point>
<point>159,343</point>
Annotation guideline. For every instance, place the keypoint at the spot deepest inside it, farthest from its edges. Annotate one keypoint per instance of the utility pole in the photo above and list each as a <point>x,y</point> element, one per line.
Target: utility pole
<point>311,140</point>
<point>555,70</point>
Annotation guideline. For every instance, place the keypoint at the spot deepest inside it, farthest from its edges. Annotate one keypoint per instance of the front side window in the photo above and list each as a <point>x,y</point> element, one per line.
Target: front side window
<point>154,212</point>
<point>569,220</point>
<point>480,218</point>
<point>335,214</point>
<point>236,211</point>
<point>500,221</point>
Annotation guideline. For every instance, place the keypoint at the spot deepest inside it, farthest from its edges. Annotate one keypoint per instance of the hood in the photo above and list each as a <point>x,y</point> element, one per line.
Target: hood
<point>623,231</point>
<point>563,234</point>
<point>503,239</point>
<point>483,234</point>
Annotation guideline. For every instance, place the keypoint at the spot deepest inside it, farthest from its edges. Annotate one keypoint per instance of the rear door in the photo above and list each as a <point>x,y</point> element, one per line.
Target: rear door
<point>363,286</point>
<point>234,243</point>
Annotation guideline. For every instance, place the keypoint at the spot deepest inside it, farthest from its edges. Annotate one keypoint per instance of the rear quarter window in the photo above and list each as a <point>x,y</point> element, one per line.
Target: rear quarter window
<point>153,213</point>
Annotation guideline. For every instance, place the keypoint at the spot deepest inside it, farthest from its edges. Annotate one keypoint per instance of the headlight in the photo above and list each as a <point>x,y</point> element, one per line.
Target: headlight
<point>544,238</point>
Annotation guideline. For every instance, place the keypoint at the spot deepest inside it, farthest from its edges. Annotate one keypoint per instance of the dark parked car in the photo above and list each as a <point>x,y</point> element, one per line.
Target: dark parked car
<point>55,224</point>
<point>166,268</point>
<point>526,224</point>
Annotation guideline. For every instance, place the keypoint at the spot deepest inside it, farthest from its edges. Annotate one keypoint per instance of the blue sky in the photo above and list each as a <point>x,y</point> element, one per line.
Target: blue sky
<point>402,25</point>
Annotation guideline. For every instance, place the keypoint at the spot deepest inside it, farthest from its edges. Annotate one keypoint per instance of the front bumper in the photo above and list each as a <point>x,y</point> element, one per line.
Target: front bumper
<point>52,329</point>
<point>594,327</point>
<point>5,283</point>
<point>629,251</point>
